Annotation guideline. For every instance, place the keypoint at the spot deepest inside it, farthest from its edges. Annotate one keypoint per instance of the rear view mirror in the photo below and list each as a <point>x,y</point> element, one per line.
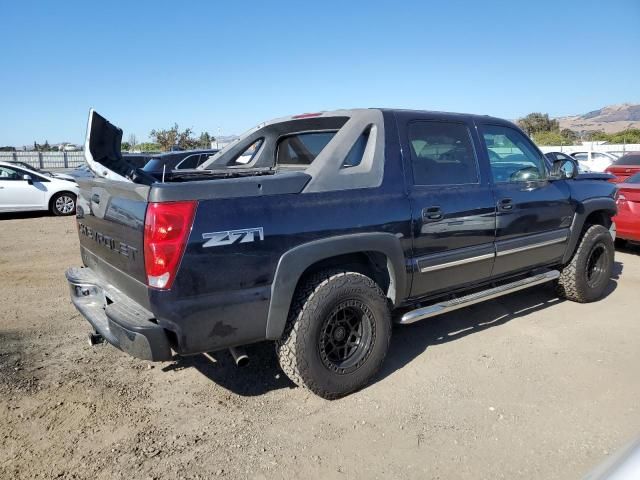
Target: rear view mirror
<point>27,178</point>
<point>564,169</point>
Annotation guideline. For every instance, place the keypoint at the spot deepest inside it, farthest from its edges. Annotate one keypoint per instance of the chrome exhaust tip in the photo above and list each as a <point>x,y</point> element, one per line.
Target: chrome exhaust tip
<point>95,339</point>
<point>239,356</point>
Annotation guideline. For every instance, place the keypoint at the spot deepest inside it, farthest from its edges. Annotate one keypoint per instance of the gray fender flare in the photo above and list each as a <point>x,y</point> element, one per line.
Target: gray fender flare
<point>293,263</point>
<point>584,209</point>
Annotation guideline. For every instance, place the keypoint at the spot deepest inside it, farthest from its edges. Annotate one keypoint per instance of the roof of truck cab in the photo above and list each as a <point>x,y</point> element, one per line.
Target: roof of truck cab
<point>352,111</point>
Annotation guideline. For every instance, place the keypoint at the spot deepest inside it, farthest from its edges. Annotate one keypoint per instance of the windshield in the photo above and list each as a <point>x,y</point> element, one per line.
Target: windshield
<point>630,159</point>
<point>633,178</point>
<point>153,165</point>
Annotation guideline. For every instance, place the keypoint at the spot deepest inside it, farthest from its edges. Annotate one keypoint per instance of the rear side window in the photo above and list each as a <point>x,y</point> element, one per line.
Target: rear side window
<point>354,158</point>
<point>248,154</point>
<point>442,154</point>
<point>190,162</point>
<point>205,157</point>
<point>631,159</point>
<point>301,149</point>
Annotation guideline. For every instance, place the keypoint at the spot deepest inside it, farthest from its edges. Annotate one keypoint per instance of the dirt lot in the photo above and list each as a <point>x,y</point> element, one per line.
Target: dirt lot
<point>524,387</point>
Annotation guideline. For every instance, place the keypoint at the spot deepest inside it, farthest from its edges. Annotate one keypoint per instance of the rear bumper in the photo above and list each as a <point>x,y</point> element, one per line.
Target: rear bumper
<point>121,321</point>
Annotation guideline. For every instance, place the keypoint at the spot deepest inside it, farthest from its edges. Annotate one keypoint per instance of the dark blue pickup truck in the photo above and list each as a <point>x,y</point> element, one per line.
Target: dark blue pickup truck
<point>317,231</point>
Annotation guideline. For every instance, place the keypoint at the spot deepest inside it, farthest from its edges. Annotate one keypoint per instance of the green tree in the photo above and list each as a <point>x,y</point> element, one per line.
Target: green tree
<point>569,134</point>
<point>205,140</point>
<point>550,138</point>
<point>630,135</point>
<point>538,122</point>
<point>149,147</point>
<point>125,146</point>
<point>167,138</point>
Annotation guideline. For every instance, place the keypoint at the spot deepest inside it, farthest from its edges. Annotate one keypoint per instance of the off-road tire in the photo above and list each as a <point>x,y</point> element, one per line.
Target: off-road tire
<point>575,283</point>
<point>60,204</point>
<point>302,351</point>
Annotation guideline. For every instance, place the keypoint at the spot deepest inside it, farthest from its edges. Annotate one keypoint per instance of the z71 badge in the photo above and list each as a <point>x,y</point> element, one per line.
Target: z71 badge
<point>244,235</point>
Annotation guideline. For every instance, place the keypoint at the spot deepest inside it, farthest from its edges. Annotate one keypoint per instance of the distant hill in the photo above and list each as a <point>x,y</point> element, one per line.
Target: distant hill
<point>610,119</point>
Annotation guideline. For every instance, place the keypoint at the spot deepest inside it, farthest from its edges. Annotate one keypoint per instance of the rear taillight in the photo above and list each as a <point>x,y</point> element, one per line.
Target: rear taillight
<point>166,231</point>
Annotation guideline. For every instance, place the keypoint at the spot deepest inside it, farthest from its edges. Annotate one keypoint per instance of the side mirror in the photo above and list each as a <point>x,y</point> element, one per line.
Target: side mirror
<point>564,169</point>
<point>28,179</point>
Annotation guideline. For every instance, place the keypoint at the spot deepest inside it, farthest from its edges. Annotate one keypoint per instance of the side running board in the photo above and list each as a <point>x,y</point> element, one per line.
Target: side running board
<point>456,303</point>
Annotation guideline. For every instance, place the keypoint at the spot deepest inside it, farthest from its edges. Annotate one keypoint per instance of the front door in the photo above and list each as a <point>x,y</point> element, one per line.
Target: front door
<point>452,207</point>
<point>533,213</point>
<point>19,194</point>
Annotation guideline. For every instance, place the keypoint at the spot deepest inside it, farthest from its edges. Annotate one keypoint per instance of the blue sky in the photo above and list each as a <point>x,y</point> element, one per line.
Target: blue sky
<point>225,66</point>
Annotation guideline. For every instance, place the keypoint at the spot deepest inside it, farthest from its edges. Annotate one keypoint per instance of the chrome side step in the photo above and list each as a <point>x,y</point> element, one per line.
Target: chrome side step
<point>456,303</point>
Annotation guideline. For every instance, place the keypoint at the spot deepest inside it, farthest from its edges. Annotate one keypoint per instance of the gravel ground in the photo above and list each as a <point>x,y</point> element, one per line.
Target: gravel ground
<point>524,387</point>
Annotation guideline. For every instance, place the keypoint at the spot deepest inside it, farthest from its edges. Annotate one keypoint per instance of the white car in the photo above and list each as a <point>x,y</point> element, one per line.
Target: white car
<point>23,190</point>
<point>594,161</point>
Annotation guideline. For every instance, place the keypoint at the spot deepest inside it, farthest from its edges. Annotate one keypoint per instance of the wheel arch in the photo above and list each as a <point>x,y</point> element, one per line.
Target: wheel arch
<point>595,211</point>
<point>55,194</point>
<point>379,255</point>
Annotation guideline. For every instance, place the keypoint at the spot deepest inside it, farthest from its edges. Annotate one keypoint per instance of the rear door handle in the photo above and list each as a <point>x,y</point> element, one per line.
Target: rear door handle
<point>505,204</point>
<point>431,214</point>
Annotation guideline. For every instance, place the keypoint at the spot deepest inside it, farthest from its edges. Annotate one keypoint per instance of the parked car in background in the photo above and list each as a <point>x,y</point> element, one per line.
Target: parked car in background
<point>41,172</point>
<point>594,161</point>
<point>583,174</point>
<point>138,160</point>
<point>23,189</point>
<point>625,167</point>
<point>553,156</point>
<point>83,171</point>
<point>628,217</point>
<point>180,160</point>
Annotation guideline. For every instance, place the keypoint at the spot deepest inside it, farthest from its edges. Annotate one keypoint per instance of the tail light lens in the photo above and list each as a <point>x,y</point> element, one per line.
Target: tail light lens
<point>166,231</point>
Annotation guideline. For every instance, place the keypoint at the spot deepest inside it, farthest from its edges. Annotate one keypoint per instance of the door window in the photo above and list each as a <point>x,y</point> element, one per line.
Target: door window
<point>512,156</point>
<point>442,154</point>
<point>7,173</point>
<point>190,162</point>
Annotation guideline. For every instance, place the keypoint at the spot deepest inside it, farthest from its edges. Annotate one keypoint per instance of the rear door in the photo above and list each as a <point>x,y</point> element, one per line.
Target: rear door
<point>452,206</point>
<point>533,213</point>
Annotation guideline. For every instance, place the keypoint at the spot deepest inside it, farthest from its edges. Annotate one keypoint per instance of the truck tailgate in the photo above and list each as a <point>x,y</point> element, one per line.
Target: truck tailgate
<point>110,218</point>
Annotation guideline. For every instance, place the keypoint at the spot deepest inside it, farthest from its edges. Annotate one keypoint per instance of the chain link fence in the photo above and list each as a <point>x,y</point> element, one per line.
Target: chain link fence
<point>45,159</point>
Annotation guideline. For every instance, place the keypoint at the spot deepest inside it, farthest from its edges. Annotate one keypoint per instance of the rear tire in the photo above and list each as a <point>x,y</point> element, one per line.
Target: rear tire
<point>63,203</point>
<point>586,276</point>
<point>337,334</point>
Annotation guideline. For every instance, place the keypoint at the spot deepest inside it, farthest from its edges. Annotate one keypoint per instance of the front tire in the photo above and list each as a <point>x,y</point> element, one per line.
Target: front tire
<point>337,333</point>
<point>586,276</point>
<point>63,203</point>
